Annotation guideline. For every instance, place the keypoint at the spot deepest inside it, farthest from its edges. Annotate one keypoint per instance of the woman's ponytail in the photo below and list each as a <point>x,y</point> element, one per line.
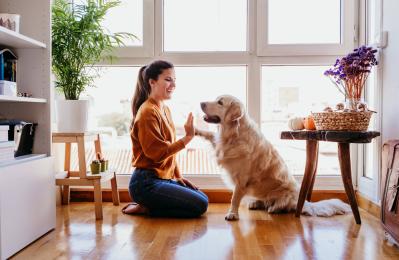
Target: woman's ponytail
<point>141,93</point>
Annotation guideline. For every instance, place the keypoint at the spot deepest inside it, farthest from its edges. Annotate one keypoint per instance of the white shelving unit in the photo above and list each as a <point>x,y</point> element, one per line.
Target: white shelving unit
<point>27,186</point>
<point>4,98</point>
<point>17,40</point>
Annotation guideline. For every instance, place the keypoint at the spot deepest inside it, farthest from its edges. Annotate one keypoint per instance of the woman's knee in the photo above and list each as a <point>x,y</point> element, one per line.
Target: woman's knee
<point>201,204</point>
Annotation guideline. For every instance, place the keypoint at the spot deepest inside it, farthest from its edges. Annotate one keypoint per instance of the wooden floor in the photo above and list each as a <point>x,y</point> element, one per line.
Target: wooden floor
<point>257,235</point>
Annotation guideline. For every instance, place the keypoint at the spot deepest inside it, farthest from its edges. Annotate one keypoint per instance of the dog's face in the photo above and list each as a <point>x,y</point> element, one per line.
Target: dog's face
<point>225,109</point>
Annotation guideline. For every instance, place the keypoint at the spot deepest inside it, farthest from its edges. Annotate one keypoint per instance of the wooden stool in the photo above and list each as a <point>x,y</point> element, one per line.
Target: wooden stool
<point>344,139</point>
<point>83,177</point>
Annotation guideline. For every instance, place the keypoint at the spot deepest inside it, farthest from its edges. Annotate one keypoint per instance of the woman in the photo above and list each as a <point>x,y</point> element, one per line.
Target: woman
<point>157,185</point>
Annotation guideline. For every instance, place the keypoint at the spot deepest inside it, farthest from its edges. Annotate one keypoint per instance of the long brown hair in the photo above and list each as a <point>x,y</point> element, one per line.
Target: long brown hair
<point>143,88</point>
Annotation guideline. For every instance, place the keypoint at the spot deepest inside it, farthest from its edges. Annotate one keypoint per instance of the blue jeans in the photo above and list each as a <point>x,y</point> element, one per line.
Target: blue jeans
<point>166,198</point>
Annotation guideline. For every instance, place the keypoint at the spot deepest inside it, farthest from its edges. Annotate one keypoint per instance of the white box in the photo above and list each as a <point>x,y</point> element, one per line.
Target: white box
<point>8,88</point>
<point>10,21</point>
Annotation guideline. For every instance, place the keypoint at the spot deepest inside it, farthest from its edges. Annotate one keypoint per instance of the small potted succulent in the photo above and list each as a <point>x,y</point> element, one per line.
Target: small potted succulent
<point>95,167</point>
<point>103,162</point>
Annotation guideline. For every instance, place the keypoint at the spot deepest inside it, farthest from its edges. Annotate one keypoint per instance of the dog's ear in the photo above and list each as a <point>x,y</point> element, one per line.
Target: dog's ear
<point>235,112</point>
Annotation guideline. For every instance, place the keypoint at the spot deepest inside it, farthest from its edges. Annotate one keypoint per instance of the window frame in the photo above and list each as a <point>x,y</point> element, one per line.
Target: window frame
<point>254,62</point>
<point>348,35</point>
<point>370,187</point>
<point>147,49</point>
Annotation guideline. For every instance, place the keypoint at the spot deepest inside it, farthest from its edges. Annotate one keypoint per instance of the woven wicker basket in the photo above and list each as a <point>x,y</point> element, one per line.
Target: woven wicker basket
<point>342,121</point>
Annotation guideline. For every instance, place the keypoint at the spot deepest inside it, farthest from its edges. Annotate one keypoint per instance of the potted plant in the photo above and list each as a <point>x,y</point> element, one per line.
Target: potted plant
<point>79,41</point>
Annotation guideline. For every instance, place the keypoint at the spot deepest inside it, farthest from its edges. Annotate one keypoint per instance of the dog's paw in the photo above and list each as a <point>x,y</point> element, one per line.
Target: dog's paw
<point>256,204</point>
<point>231,216</point>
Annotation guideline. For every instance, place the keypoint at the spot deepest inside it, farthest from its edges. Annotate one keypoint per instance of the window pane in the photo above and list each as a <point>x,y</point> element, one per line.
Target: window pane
<point>289,91</point>
<point>110,112</point>
<point>126,17</point>
<point>206,25</point>
<point>304,22</point>
<point>194,85</point>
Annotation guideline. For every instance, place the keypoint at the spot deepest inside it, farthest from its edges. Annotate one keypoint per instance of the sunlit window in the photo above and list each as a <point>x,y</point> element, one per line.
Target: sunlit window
<point>126,17</point>
<point>304,22</point>
<point>110,112</point>
<point>291,91</point>
<point>206,25</point>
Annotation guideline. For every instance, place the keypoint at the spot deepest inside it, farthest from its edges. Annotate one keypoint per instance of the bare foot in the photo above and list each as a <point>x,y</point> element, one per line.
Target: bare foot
<point>134,208</point>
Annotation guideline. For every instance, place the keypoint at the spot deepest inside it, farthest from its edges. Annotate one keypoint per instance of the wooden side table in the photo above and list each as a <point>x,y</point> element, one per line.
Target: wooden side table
<point>82,177</point>
<point>344,139</point>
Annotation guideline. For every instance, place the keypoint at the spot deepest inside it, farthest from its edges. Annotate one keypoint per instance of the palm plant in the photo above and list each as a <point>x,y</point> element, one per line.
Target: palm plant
<point>79,41</point>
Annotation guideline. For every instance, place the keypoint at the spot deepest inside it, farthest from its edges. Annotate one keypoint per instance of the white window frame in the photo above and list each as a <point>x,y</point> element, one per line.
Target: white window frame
<point>254,63</point>
<point>370,187</point>
<point>348,35</point>
<point>147,49</point>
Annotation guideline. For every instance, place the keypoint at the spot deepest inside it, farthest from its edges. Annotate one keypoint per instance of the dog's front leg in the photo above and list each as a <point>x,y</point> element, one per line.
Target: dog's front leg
<point>207,135</point>
<point>238,193</point>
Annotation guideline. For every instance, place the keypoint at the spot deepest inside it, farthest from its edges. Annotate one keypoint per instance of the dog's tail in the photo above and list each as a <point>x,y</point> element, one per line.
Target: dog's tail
<point>326,208</point>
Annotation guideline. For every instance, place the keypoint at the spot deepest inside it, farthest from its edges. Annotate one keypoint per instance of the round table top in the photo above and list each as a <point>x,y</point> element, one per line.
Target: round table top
<point>331,136</point>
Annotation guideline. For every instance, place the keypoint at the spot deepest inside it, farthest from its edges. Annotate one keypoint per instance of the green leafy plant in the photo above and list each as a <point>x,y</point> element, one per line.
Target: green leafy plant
<point>79,41</point>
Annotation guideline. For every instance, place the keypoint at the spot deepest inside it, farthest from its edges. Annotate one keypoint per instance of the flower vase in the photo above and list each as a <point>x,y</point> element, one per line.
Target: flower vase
<point>352,103</point>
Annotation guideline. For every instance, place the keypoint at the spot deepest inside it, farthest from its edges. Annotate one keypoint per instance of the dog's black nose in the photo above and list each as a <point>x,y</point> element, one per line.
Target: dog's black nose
<point>203,105</point>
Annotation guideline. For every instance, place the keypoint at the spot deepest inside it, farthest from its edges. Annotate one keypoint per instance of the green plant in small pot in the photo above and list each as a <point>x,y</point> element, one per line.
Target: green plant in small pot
<point>95,167</point>
<point>103,162</point>
<point>79,41</point>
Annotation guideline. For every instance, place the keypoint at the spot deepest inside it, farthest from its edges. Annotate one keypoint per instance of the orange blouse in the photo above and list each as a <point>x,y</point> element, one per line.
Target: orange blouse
<point>154,140</point>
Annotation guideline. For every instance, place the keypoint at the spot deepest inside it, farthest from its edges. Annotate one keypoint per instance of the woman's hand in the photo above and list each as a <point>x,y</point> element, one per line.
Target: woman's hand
<point>187,183</point>
<point>189,128</point>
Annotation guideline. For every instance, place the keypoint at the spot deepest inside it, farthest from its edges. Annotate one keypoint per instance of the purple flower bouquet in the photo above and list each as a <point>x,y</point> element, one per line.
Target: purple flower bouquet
<point>349,74</point>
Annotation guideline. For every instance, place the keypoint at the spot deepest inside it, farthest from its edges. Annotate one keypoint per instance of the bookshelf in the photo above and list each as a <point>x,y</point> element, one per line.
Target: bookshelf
<point>17,40</point>
<point>27,183</point>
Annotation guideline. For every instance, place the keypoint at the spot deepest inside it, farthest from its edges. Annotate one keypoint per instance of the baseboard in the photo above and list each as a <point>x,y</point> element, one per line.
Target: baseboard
<point>224,196</point>
<point>214,195</point>
<point>368,205</point>
<point>86,194</point>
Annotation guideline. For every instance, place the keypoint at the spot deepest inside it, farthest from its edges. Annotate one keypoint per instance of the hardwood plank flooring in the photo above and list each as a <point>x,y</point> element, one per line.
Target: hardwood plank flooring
<point>257,235</point>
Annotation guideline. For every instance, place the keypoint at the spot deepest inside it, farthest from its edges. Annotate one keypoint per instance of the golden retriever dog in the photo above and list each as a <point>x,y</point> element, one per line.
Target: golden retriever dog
<point>254,165</point>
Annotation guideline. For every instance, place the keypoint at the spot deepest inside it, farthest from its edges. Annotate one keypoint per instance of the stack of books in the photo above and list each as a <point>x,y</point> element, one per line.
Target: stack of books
<point>4,133</point>
<point>6,147</point>
<point>8,65</point>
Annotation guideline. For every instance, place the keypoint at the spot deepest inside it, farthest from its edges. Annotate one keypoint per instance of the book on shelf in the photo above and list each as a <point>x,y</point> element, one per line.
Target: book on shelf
<point>3,136</point>
<point>7,151</point>
<point>4,133</point>
<point>8,65</point>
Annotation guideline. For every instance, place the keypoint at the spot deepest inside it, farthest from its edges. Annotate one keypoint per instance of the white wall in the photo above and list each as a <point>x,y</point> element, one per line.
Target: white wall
<point>390,62</point>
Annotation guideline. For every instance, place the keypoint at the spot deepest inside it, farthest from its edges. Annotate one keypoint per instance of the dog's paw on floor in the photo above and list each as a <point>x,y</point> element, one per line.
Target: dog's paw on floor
<point>231,216</point>
<point>256,204</point>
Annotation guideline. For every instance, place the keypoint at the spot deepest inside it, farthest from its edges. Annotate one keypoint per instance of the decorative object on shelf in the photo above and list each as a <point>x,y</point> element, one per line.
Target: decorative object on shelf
<point>349,75</point>
<point>95,167</point>
<point>296,123</point>
<point>79,41</point>
<point>10,21</point>
<point>24,94</point>
<point>8,88</point>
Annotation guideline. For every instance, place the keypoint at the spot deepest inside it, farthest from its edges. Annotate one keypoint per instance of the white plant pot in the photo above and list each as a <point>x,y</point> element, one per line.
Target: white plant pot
<point>72,115</point>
